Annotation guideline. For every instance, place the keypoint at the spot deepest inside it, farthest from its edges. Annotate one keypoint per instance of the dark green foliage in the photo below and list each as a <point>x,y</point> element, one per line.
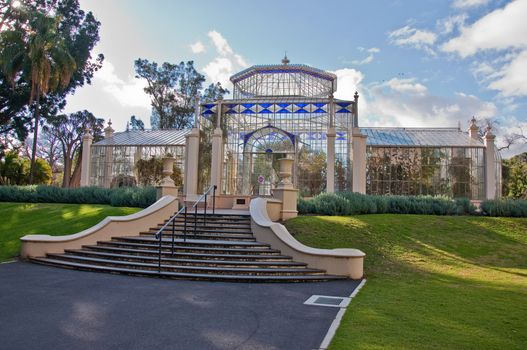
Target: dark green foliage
<point>136,123</point>
<point>14,170</point>
<point>123,196</point>
<point>505,207</point>
<point>78,31</point>
<point>514,172</point>
<point>172,89</point>
<point>348,203</point>
<point>140,197</point>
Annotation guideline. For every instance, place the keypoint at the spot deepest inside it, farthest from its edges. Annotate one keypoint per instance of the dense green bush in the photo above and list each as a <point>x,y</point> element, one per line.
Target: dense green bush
<point>505,207</point>
<point>14,170</point>
<point>118,197</point>
<point>348,203</point>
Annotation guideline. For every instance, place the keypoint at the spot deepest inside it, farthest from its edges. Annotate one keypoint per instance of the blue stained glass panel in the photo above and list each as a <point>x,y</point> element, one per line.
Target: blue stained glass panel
<point>343,104</point>
<point>248,111</point>
<point>209,105</point>
<point>248,105</point>
<point>343,111</point>
<point>301,105</point>
<point>265,105</point>
<point>284,105</point>
<point>283,111</point>
<point>319,104</point>
<point>265,111</point>
<point>208,111</point>
<point>301,111</point>
<point>319,110</point>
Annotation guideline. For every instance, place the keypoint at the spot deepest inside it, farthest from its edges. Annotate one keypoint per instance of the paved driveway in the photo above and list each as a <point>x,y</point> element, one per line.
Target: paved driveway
<point>51,308</point>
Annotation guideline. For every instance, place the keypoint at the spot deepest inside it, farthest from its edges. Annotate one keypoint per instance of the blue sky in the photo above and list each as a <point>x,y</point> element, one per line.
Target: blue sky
<point>415,63</point>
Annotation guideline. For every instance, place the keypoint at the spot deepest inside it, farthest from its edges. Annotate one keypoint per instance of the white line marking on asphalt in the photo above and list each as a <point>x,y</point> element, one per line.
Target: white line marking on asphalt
<point>336,322</point>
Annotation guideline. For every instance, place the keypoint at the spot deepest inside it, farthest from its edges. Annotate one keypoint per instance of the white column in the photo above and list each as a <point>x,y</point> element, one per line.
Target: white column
<point>330,174</point>
<point>217,158</point>
<point>191,163</point>
<point>359,161</point>
<point>490,164</point>
<point>108,133</point>
<point>330,148</point>
<point>86,158</point>
<point>217,151</point>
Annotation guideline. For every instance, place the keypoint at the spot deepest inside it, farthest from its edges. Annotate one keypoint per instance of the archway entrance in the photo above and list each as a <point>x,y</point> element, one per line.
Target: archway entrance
<point>261,150</point>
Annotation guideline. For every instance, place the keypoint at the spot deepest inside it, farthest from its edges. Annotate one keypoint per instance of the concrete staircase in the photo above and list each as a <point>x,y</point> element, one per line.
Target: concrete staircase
<point>220,247</point>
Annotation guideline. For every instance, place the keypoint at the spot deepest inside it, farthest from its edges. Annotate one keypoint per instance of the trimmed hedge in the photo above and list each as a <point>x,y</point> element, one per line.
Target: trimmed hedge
<point>506,207</point>
<point>140,197</point>
<point>347,203</point>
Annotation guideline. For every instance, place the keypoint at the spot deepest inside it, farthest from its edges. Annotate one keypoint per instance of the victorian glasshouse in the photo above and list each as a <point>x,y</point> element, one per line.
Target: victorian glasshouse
<point>288,111</point>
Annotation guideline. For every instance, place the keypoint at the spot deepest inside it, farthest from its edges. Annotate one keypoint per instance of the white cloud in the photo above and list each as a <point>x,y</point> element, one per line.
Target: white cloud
<point>197,47</point>
<point>221,44</point>
<point>226,63</point>
<point>129,93</point>
<point>407,103</point>
<point>413,37</point>
<point>408,86</point>
<point>501,29</point>
<point>220,69</point>
<point>348,81</point>
<point>368,59</point>
<point>463,4</point>
<point>513,77</point>
<point>449,24</point>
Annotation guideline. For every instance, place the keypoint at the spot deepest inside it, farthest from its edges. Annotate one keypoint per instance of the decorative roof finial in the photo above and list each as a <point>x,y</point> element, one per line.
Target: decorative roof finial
<point>285,60</point>
<point>489,127</point>
<point>109,123</point>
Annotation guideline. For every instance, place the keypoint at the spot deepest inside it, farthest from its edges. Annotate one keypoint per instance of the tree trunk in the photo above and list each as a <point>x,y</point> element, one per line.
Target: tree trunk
<point>35,138</point>
<point>75,181</point>
<point>67,170</point>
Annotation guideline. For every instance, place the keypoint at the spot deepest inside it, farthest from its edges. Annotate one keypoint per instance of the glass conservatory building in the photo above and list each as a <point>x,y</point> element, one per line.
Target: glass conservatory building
<point>120,158</point>
<point>289,111</point>
<point>282,111</point>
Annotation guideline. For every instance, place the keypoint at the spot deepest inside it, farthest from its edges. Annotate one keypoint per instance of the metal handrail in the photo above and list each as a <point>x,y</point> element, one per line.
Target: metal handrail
<point>159,234</point>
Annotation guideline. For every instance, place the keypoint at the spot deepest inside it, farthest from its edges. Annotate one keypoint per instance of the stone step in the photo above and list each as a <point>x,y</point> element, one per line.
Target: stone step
<point>186,268</point>
<point>185,275</point>
<point>191,235</point>
<point>166,259</point>
<point>211,224</point>
<point>233,217</point>
<point>184,248</point>
<point>192,242</point>
<point>202,256</point>
<point>198,230</point>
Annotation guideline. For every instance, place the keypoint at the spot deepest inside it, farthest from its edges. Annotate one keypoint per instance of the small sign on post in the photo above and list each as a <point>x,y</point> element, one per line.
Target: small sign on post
<point>261,179</point>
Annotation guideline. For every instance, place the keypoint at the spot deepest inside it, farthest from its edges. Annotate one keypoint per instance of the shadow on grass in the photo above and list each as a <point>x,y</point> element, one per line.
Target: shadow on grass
<point>434,282</point>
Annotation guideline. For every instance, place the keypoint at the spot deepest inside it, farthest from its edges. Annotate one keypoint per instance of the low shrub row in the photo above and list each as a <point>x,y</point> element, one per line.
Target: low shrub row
<point>140,197</point>
<point>348,203</point>
<point>507,207</point>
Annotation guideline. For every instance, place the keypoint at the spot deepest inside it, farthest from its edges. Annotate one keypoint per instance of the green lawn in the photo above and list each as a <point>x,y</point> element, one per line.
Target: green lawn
<point>20,219</point>
<point>433,282</point>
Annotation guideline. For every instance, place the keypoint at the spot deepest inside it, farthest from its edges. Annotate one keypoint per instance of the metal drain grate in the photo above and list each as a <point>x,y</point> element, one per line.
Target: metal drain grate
<point>326,300</point>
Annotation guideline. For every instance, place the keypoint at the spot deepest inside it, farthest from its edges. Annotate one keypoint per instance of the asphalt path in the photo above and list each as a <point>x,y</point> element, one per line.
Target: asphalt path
<point>52,308</point>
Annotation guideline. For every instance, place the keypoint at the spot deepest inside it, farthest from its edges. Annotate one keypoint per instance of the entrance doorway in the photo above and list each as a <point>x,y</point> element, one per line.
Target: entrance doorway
<point>261,150</point>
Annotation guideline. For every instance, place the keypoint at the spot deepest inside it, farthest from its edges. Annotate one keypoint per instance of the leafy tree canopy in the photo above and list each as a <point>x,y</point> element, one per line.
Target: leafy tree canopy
<point>173,89</point>
<point>78,32</point>
<point>136,123</point>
